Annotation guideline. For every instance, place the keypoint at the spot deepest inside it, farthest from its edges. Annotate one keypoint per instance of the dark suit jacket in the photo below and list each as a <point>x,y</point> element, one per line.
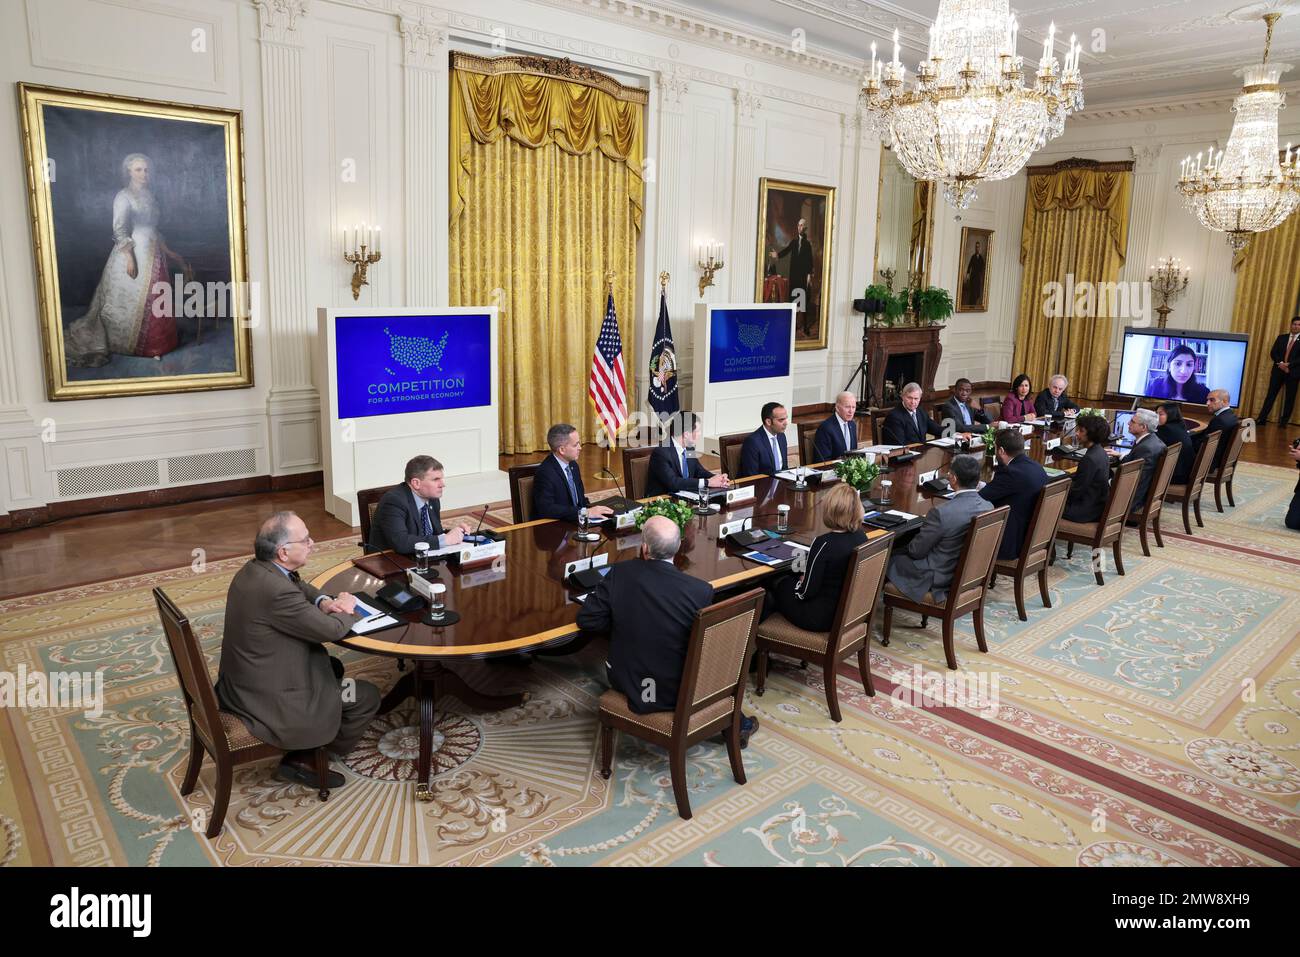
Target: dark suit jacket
<point>756,454</point>
<point>1089,487</point>
<point>801,261</point>
<point>952,411</point>
<point>828,443</point>
<point>1225,422</point>
<point>1149,451</point>
<point>648,609</point>
<point>551,498</point>
<point>1175,433</point>
<point>1043,403</point>
<point>275,672</point>
<point>1278,352</point>
<point>665,474</point>
<point>1016,484</point>
<point>397,523</point>
<point>899,429</point>
<point>810,602</point>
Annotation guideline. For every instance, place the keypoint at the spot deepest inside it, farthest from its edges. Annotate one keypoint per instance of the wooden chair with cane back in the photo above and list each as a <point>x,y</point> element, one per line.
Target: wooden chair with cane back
<point>1040,539</point>
<point>1190,494</point>
<point>1109,529</point>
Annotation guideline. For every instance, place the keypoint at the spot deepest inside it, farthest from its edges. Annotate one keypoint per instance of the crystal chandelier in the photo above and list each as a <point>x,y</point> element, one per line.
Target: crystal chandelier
<point>970,117</point>
<point>1244,189</point>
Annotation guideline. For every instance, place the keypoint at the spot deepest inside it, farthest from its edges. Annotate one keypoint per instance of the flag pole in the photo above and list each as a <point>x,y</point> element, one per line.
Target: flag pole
<point>607,474</point>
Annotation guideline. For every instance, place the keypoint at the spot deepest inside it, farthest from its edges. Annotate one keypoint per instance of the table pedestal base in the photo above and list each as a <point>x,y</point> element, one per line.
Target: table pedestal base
<point>426,683</point>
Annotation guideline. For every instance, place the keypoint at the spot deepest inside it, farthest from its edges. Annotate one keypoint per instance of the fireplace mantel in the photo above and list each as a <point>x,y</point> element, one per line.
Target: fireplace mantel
<point>884,341</point>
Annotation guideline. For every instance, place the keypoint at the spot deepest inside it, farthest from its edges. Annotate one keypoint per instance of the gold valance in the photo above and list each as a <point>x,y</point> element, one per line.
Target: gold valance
<point>1104,187</point>
<point>537,101</point>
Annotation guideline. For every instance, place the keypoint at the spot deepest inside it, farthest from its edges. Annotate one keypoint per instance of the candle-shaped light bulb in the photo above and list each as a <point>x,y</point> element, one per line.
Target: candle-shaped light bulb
<point>377,230</point>
<point>1015,30</point>
<point>929,53</point>
<point>873,58</point>
<point>896,48</point>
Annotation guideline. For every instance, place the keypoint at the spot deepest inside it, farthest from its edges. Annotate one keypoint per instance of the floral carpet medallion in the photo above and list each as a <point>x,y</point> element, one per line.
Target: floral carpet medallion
<point>1151,722</point>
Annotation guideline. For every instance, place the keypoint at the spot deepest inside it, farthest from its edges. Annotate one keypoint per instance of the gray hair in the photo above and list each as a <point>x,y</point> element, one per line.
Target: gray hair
<point>558,434</point>
<point>661,536</point>
<point>910,388</point>
<point>272,535</point>
<point>1150,421</point>
<point>1064,380</point>
<point>966,470</point>
<point>126,166</point>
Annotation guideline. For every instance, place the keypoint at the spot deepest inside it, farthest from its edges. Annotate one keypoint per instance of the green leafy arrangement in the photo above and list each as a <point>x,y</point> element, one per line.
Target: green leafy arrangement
<point>933,304</point>
<point>1099,413</point>
<point>990,436</point>
<point>858,472</point>
<point>892,305</point>
<point>678,511</point>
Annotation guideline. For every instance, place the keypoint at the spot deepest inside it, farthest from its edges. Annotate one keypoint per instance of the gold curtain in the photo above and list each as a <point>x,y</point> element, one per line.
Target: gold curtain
<point>1268,282</point>
<point>546,195</point>
<point>1075,225</point>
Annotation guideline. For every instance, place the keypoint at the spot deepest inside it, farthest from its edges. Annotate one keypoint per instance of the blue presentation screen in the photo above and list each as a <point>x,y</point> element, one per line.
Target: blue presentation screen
<point>393,364</point>
<point>748,344</point>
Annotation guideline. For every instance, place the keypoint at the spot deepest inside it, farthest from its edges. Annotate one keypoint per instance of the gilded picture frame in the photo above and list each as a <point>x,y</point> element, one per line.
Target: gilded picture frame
<point>785,255</point>
<point>139,241</point>
<point>974,266</point>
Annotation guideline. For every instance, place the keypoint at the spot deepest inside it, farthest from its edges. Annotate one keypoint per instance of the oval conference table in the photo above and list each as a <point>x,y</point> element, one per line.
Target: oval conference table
<point>522,604</point>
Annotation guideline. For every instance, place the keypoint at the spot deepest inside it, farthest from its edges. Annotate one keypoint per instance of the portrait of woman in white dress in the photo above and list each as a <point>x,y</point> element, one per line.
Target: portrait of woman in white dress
<point>124,316</point>
<point>138,215</point>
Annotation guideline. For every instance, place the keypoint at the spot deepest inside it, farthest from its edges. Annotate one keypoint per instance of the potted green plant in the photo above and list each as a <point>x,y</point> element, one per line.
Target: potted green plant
<point>678,511</point>
<point>858,472</point>
<point>933,304</point>
<point>879,301</point>
<point>989,435</point>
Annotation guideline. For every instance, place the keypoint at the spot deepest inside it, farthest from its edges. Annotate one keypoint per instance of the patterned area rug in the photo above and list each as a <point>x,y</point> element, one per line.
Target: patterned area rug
<point>1154,721</point>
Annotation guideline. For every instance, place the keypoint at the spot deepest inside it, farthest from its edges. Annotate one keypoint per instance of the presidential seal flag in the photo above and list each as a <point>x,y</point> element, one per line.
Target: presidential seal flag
<point>608,387</point>
<point>663,365</point>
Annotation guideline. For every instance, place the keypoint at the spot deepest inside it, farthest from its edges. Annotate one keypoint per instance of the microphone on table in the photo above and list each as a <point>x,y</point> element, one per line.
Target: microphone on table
<point>489,534</point>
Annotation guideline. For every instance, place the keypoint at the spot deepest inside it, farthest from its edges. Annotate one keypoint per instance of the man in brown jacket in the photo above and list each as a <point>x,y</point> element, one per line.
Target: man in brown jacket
<point>275,673</point>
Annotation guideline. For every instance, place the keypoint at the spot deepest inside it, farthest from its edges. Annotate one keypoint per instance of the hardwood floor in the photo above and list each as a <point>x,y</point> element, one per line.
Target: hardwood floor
<point>94,548</point>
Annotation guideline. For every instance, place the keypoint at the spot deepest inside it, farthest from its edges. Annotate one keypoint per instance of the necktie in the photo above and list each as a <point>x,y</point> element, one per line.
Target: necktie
<point>1054,403</point>
<point>1286,356</point>
<point>295,577</point>
<point>425,520</point>
<point>573,488</point>
<point>685,471</point>
<point>848,438</point>
<point>776,455</point>
<point>965,413</point>
<point>916,425</point>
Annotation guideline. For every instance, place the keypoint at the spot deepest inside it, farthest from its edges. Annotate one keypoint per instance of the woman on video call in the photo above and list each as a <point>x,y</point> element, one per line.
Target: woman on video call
<point>1180,382</point>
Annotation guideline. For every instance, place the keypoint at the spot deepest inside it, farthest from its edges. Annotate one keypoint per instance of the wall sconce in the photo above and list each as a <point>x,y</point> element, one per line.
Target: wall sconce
<point>1168,279</point>
<point>355,243</point>
<point>710,258</point>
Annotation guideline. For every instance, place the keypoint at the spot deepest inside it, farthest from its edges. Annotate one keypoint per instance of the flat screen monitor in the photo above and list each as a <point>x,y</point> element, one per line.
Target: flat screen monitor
<point>1120,428</point>
<point>1181,364</point>
<point>748,344</point>
<point>389,365</point>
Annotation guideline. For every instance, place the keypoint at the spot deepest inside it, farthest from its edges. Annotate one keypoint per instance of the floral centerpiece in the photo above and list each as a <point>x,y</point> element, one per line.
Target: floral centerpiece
<point>858,472</point>
<point>1099,413</point>
<point>679,512</point>
<point>881,302</point>
<point>990,436</point>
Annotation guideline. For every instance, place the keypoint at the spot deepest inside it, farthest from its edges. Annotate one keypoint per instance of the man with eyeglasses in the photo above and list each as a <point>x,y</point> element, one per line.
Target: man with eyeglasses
<point>275,673</point>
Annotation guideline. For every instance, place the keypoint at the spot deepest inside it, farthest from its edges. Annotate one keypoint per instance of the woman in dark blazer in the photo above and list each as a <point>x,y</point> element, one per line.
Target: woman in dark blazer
<point>1179,381</point>
<point>1018,406</point>
<point>1091,480</point>
<point>1173,431</point>
<point>810,601</point>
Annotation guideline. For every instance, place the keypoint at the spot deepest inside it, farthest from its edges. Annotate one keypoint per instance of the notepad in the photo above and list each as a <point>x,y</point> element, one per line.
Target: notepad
<point>373,619</point>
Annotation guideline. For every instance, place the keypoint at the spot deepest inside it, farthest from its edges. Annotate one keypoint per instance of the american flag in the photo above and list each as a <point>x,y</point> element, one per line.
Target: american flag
<point>608,388</point>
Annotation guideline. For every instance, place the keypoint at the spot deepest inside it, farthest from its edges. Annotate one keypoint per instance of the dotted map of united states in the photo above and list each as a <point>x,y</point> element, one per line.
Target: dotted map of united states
<point>416,352</point>
<point>751,334</point>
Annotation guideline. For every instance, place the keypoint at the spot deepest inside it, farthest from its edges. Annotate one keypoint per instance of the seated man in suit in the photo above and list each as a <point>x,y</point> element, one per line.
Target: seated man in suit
<point>557,483</point>
<point>958,408</point>
<point>839,432</point>
<point>1053,400</point>
<point>907,423</point>
<point>1016,482</point>
<point>1147,447</point>
<point>648,608</point>
<point>1222,419</point>
<point>927,562</point>
<point>675,466</point>
<point>409,513</point>
<point>275,673</point>
<point>764,451</point>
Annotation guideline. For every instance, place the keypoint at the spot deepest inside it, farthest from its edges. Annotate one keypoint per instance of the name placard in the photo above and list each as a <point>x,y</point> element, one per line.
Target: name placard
<point>482,553</point>
<point>926,476</point>
<point>1050,444</point>
<point>582,564</point>
<point>742,493</point>
<point>730,528</point>
<point>626,519</point>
